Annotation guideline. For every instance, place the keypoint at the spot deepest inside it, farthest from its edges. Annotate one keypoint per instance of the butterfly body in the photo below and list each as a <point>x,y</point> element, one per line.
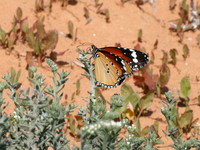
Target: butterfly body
<point>114,64</point>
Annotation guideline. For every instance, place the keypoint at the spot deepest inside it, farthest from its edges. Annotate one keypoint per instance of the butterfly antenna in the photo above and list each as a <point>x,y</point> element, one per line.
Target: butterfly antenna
<point>88,49</point>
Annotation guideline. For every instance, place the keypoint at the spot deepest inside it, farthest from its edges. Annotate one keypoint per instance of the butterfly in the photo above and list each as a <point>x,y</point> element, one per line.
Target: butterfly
<point>112,65</point>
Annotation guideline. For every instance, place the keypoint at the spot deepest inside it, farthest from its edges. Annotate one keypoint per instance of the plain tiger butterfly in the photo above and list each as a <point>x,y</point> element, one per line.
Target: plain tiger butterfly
<point>113,64</point>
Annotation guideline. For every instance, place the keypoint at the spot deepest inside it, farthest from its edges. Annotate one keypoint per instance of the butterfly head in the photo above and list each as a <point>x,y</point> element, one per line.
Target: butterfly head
<point>94,51</point>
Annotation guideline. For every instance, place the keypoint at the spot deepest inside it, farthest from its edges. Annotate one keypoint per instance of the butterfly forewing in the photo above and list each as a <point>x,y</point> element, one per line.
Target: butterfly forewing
<point>136,59</point>
<point>116,51</point>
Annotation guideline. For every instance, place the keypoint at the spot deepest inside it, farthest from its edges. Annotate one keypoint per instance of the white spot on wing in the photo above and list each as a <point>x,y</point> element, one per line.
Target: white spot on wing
<point>132,50</point>
<point>135,60</point>
<point>122,61</point>
<point>133,54</point>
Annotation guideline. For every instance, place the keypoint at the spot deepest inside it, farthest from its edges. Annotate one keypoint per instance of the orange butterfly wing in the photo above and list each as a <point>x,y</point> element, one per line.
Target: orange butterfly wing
<point>114,64</point>
<point>108,73</point>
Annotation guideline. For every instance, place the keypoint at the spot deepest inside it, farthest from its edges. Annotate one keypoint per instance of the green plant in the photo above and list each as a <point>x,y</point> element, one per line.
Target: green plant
<point>70,29</point>
<point>198,98</point>
<point>189,18</point>
<point>150,82</point>
<point>129,97</point>
<point>36,37</point>
<point>87,15</point>
<point>40,40</point>
<point>77,92</point>
<point>4,118</point>
<point>14,77</point>
<point>172,4</point>
<point>152,58</point>
<point>184,11</point>
<point>178,125</point>
<point>39,117</point>
<point>173,53</point>
<point>185,89</point>
<point>39,5</point>
<point>102,127</point>
<point>19,27</point>
<point>185,51</point>
<point>106,13</point>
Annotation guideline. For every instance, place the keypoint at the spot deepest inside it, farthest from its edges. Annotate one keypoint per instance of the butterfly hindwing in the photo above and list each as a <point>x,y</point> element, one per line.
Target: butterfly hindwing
<point>108,72</point>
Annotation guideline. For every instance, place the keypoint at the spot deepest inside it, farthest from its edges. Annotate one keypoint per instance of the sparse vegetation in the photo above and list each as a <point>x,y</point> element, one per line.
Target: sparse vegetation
<point>41,121</point>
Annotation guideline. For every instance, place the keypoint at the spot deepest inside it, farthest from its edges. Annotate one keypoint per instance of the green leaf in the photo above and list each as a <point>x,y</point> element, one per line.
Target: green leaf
<point>158,90</point>
<point>172,4</point>
<point>19,13</point>
<point>73,96</point>
<point>152,57</point>
<point>2,36</point>
<point>146,100</point>
<point>165,57</point>
<point>12,39</point>
<point>121,109</point>
<point>179,25</point>
<point>71,28</point>
<point>37,48</point>
<point>104,12</point>
<point>72,124</point>
<point>173,53</point>
<point>138,126</point>
<point>40,28</point>
<point>111,115</point>
<point>134,99</point>
<point>198,100</point>
<point>141,132</point>
<point>39,5</point>
<point>30,38</point>
<point>86,13</point>
<point>129,96</point>
<point>156,126</point>
<point>175,115</point>
<point>13,73</point>
<point>185,51</point>
<point>50,41</point>
<point>24,26</point>
<point>78,86</point>
<point>185,88</point>
<point>126,91</point>
<point>17,76</point>
<point>183,4</point>
<point>144,131</point>
<point>186,119</point>
<point>99,94</point>
<point>164,75</point>
<point>150,80</point>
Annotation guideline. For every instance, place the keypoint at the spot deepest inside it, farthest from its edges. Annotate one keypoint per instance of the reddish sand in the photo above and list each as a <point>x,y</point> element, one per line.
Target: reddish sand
<point>125,22</point>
